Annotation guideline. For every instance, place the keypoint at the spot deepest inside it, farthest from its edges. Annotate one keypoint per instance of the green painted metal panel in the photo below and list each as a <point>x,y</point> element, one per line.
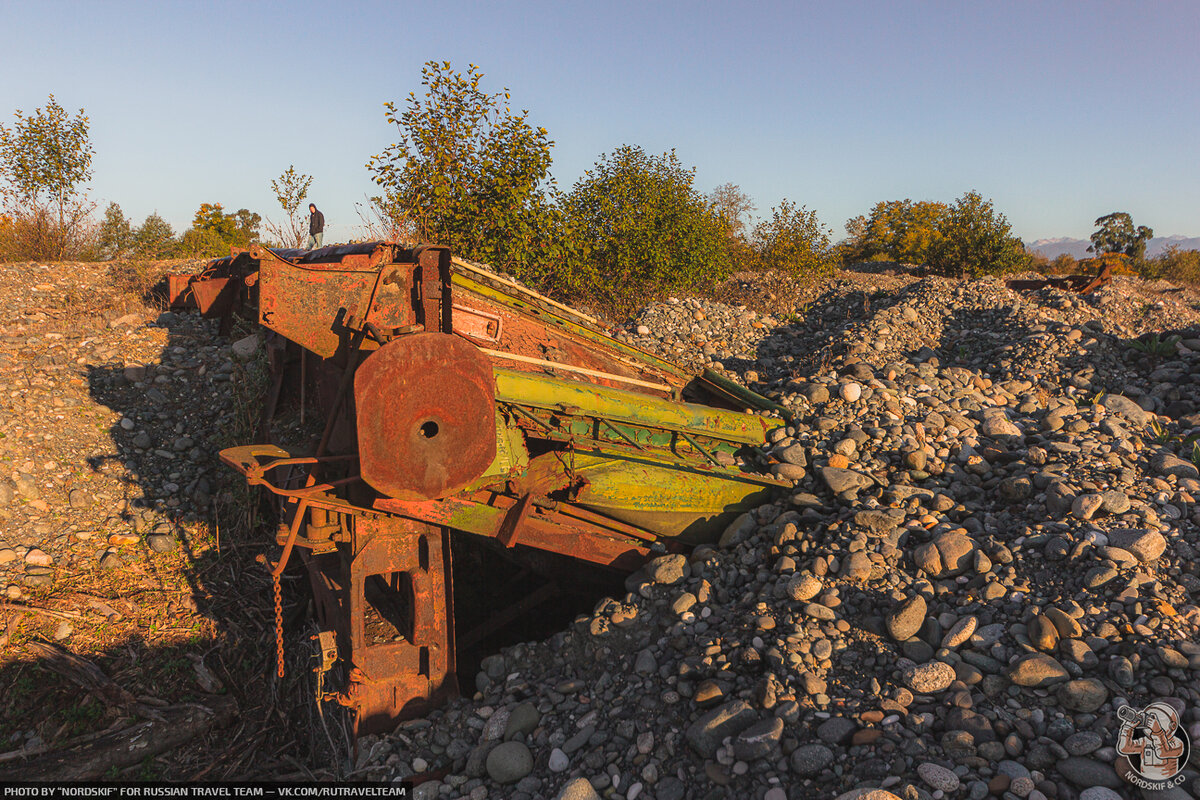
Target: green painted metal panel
<point>618,405</point>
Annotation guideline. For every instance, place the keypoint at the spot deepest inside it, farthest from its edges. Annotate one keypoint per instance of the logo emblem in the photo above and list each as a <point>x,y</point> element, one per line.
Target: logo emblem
<point>1156,744</point>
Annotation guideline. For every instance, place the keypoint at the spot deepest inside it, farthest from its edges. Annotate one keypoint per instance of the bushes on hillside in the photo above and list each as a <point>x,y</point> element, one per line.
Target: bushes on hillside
<point>1174,265</point>
<point>974,239</point>
<point>896,230</point>
<point>635,224</point>
<point>154,238</point>
<point>202,243</point>
<point>1063,264</point>
<point>116,235</point>
<point>794,240</point>
<point>967,238</point>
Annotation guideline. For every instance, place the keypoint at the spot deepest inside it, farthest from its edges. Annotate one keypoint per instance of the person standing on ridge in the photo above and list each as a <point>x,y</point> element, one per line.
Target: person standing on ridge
<point>316,227</point>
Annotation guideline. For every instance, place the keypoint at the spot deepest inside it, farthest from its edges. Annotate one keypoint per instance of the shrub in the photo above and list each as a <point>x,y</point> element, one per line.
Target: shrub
<point>116,236</point>
<point>154,238</point>
<point>794,240</point>
<point>974,239</point>
<point>896,230</point>
<point>202,243</point>
<point>133,277</point>
<point>635,226</point>
<point>1063,264</point>
<point>35,233</point>
<point>1175,265</point>
<point>237,229</point>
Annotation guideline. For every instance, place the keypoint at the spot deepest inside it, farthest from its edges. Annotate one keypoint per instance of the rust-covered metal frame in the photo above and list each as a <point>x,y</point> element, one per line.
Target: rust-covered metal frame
<point>571,432</point>
<point>1085,283</point>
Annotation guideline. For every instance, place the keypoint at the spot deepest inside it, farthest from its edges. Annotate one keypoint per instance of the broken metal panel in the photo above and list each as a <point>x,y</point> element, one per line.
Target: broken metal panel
<point>216,296</point>
<point>179,291</point>
<point>549,342</point>
<point>315,303</point>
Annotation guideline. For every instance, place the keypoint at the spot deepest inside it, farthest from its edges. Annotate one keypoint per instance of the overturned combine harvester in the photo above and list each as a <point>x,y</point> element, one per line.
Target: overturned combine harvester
<point>457,402</point>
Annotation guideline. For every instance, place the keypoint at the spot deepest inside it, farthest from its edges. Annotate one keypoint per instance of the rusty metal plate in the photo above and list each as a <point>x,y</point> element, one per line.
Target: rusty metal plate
<point>426,417</point>
<point>215,296</point>
<point>179,291</point>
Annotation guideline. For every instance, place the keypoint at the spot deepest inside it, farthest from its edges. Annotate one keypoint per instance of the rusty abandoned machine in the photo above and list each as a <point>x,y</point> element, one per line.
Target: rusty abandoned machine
<point>459,403</point>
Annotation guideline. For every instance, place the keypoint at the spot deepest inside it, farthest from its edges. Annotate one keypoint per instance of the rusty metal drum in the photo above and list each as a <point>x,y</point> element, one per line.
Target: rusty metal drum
<point>425,415</point>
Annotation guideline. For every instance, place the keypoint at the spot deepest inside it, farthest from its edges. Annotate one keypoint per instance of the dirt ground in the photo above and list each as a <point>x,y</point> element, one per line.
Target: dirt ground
<point>123,541</point>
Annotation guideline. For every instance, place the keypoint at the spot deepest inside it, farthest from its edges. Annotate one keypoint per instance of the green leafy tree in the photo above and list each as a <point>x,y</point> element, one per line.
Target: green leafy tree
<point>237,229</point>
<point>154,238</point>
<point>734,207</point>
<point>45,158</point>
<point>639,227</point>
<point>794,240</point>
<point>468,172</point>
<point>896,230</point>
<point>116,233</point>
<point>247,226</point>
<point>1117,235</point>
<point>290,188</point>
<point>974,239</point>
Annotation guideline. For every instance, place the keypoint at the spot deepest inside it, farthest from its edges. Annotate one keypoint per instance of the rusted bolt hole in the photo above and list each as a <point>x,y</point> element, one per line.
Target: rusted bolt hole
<point>429,429</point>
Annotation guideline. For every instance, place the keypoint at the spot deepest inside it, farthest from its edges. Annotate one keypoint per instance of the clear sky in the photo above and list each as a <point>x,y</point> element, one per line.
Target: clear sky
<point>1059,112</point>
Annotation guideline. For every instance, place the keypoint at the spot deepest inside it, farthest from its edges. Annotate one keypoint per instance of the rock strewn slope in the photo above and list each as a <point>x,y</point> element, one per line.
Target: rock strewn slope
<point>109,422</point>
<point>991,545</point>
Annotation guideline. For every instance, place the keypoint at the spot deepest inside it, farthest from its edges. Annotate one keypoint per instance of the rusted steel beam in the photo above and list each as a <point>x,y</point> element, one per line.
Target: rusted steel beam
<point>409,564</point>
<point>542,530</point>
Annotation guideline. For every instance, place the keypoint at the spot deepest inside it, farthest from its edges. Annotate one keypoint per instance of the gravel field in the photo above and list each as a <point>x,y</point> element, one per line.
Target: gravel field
<point>991,546</point>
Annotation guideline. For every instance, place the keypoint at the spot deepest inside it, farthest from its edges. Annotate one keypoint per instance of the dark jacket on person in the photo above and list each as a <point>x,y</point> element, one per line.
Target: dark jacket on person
<point>316,222</point>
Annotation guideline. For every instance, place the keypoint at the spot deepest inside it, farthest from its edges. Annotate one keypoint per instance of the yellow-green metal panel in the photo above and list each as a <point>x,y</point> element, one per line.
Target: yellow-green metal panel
<point>573,397</point>
<point>670,502</point>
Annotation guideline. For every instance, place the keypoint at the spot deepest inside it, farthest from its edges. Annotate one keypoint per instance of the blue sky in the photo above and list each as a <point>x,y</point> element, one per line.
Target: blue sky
<point>1059,112</point>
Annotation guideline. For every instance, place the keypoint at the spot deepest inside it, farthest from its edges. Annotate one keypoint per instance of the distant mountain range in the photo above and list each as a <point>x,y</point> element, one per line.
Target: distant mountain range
<point>1051,248</point>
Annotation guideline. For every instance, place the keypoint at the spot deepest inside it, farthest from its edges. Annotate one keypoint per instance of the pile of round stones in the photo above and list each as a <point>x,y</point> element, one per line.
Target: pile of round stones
<point>991,545</point>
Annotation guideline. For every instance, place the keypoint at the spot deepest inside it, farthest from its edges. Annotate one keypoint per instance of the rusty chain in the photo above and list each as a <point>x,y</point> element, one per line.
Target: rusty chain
<point>278,623</point>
